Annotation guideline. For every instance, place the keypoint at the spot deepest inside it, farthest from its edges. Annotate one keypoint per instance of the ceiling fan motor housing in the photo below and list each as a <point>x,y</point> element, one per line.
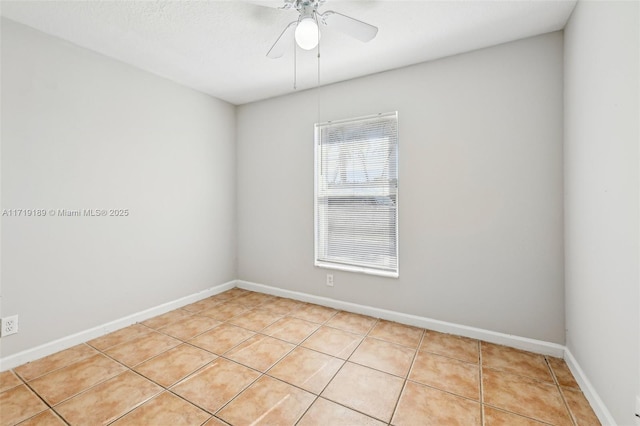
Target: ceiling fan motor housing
<point>308,8</point>
<point>302,28</point>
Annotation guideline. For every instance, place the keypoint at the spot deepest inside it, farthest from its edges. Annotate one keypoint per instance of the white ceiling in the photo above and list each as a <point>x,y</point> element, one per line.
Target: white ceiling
<point>219,47</point>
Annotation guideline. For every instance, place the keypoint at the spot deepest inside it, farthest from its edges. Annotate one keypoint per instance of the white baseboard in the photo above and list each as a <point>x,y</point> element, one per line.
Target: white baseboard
<point>588,390</point>
<point>537,346</point>
<point>49,348</point>
<point>532,345</point>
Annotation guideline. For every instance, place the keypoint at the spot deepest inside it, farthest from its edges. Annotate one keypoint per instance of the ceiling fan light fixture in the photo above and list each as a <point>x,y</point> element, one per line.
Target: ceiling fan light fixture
<point>307,33</point>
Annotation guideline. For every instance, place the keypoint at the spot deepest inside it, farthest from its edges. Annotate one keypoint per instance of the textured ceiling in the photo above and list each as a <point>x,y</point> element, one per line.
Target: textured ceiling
<point>219,47</point>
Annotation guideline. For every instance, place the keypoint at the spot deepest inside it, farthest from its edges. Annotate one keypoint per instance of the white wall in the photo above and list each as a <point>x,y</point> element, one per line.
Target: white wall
<point>481,222</point>
<point>601,190</point>
<point>82,131</point>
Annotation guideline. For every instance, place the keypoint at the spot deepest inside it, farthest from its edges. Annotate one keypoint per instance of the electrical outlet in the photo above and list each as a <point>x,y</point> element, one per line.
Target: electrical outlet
<point>9,325</point>
<point>330,280</point>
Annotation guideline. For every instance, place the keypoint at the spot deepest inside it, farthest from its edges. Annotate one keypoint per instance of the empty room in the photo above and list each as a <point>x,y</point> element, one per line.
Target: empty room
<point>320,212</point>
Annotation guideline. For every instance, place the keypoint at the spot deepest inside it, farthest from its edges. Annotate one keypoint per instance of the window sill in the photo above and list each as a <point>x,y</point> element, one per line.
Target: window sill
<point>358,269</point>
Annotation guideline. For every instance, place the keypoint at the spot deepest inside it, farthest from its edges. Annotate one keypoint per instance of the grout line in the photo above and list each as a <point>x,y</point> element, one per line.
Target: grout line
<point>445,391</point>
<point>572,417</point>
<point>49,406</point>
<point>263,305</point>
<point>24,379</point>
<point>503,410</point>
<point>239,393</point>
<point>60,417</point>
<point>139,404</point>
<point>52,406</point>
<point>308,408</point>
<point>449,357</point>
<point>219,419</point>
<point>522,376</point>
<point>190,402</point>
<point>20,380</point>
<point>406,377</point>
<point>195,404</point>
<point>147,331</point>
<point>354,409</point>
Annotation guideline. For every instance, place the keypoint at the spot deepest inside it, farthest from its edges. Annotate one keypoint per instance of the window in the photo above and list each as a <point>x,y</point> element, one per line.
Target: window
<point>356,194</point>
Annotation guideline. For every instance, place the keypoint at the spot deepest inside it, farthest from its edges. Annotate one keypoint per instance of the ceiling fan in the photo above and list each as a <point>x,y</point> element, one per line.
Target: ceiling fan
<point>306,29</point>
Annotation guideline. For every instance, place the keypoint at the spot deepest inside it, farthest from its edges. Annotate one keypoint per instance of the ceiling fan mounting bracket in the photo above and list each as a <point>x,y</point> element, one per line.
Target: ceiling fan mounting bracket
<point>307,8</point>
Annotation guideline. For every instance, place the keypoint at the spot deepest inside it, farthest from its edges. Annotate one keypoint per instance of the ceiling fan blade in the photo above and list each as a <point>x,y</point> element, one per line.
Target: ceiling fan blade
<point>281,44</point>
<point>356,29</point>
<point>272,4</point>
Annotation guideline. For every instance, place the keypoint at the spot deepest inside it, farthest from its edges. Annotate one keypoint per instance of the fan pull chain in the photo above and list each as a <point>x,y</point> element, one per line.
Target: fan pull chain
<point>318,89</point>
<point>295,60</point>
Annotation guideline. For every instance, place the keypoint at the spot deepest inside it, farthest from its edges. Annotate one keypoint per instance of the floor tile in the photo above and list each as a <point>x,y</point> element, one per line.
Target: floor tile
<point>203,304</point>
<point>450,345</point>
<point>164,409</point>
<point>314,313</point>
<point>524,396</point>
<point>8,380</point>
<point>268,402</point>
<point>141,349</point>
<point>579,407</point>
<point>293,330</point>
<point>325,412</point>
<point>259,352</point>
<point>204,361</point>
<point>221,338</point>
<point>233,293</point>
<point>495,417</point>
<point>175,364</point>
<point>225,311</point>
<point>422,405</point>
<point>562,372</point>
<point>166,319</point>
<point>68,381</point>
<point>255,319</point>
<point>19,403</point>
<point>109,400</point>
<point>333,342</point>
<point>190,327</point>
<point>216,384</point>
<point>307,369</point>
<point>119,336</point>
<point>252,299</point>
<point>283,306</point>
<point>351,322</point>
<point>397,333</point>
<point>46,418</point>
<point>52,362</point>
<point>214,421</point>
<point>515,361</point>
<point>385,356</point>
<point>369,391</point>
<point>447,374</point>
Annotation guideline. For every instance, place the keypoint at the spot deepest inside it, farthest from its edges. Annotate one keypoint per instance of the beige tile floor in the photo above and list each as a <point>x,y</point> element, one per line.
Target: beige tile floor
<point>244,358</point>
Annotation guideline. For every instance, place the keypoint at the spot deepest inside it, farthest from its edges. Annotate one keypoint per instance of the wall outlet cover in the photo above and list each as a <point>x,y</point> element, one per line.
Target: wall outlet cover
<point>330,280</point>
<point>9,326</point>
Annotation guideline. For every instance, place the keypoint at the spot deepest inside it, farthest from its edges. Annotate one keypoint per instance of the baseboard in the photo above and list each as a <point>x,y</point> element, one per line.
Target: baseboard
<point>66,342</point>
<point>537,346</point>
<point>588,390</point>
<point>532,345</point>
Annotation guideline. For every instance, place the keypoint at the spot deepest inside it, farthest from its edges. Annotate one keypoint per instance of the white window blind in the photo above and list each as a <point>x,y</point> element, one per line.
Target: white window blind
<point>356,205</point>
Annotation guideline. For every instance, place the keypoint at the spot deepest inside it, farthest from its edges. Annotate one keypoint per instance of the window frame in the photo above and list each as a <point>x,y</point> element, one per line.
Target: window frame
<point>316,183</point>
